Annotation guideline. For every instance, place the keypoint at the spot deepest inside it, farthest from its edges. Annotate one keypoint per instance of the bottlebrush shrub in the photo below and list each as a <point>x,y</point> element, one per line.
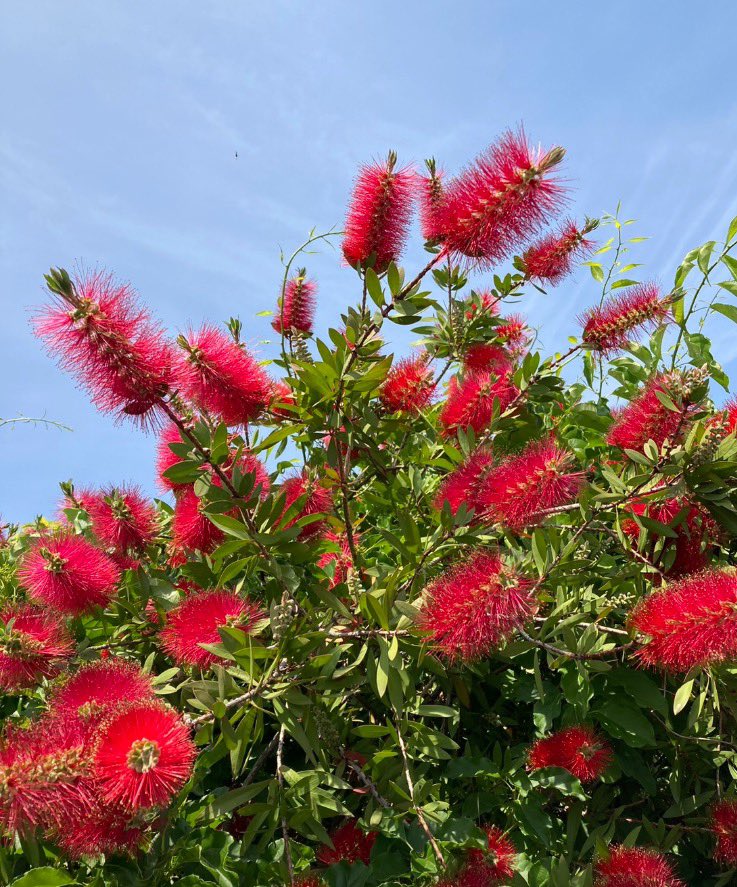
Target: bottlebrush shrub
<point>463,617</point>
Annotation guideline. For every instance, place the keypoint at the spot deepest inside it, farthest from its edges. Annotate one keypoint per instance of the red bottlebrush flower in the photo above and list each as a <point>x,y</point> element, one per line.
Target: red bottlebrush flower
<point>489,305</point>
<point>431,203</point>
<point>342,560</point>
<point>282,397</point>
<point>350,844</point>
<point>100,830</point>
<point>692,622</point>
<point>122,518</point>
<point>309,879</point>
<point>514,333</point>
<point>724,826</point>
<point>33,645</point>
<point>500,200</point>
<point>166,458</point>
<point>471,609</point>
<point>191,528</point>
<point>379,214</point>
<point>462,485</point>
<point>317,501</point>
<point>409,386</point>
<point>551,258</point>
<point>580,750</point>
<point>492,866</point>
<point>487,356</point>
<point>470,402</point>
<point>98,332</point>
<point>609,327</point>
<point>196,621</point>
<point>96,689</point>
<point>518,492</point>
<point>68,574</point>
<point>296,309</point>
<point>222,378</point>
<point>635,867</point>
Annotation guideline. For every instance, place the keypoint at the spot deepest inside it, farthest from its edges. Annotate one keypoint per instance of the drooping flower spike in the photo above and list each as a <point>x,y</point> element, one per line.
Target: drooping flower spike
<point>724,825</point>
<point>551,259</point>
<point>350,844</point>
<point>635,867</point>
<point>295,311</point>
<point>471,399</point>
<point>489,357</point>
<point>33,645</point>
<point>611,326</point>
<point>495,864</point>
<point>409,386</point>
<point>580,750</point>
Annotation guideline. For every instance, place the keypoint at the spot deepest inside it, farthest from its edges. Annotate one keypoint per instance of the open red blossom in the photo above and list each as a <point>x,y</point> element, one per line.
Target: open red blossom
<point>431,203</point>
<point>409,386</point>
<point>97,331</point>
<point>635,867</point>
<point>222,377</point>
<point>316,500</point>
<point>197,619</point>
<point>724,826</point>
<point>472,608</point>
<point>295,312</point>
<point>309,879</point>
<point>610,326</point>
<point>692,622</point>
<point>33,645</point>
<point>96,689</point>
<point>68,574</point>
<point>488,356</point>
<point>520,491</point>
<point>551,258</point>
<point>122,518</point>
<point>166,458</point>
<point>502,199</point>
<point>379,214</point>
<point>99,829</point>
<point>350,844</point>
<point>646,417</point>
<point>494,865</point>
<point>580,750</point>
<point>341,561</point>
<point>143,756</point>
<point>514,333</point>
<point>471,399</point>
<point>461,486</point>
<point>282,397</point>
<point>191,528</point>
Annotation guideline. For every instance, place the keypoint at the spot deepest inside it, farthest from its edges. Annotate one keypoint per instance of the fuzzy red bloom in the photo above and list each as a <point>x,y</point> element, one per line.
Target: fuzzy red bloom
<point>166,458</point>
<point>519,491</point>
<point>635,867</point>
<point>647,418</point>
<point>68,574</point>
<point>692,622</point>
<point>196,621</point>
<point>350,844</point>
<point>724,826</point>
<point>122,518</point>
<point>222,378</point>
<point>409,386</point>
<point>295,312</point>
<point>492,866</point>
<point>431,204</point>
<point>98,332</point>
<point>96,689</point>
<point>609,327</point>
<point>143,756</point>
<point>472,608</point>
<point>487,356</point>
<point>191,528</point>
<point>33,645</point>
<point>100,830</point>
<point>551,258</point>
<point>282,396</point>
<point>342,559</point>
<point>317,500</point>
<point>580,750</point>
<point>500,200</point>
<point>309,879</point>
<point>461,486</point>
<point>489,305</point>
<point>470,401</point>
<point>514,333</point>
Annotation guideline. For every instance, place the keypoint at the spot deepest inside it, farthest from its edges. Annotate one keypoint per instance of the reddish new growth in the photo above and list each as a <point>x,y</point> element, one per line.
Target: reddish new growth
<point>724,826</point>
<point>635,867</point>
<point>341,561</point>
<point>692,622</point>
<point>551,258</point>
<point>33,645</point>
<point>472,608</point>
<point>223,378</point>
<point>98,332</point>
<point>379,214</point>
<point>315,500</point>
<point>431,203</point>
<point>580,750</point>
<point>197,621</point>
<point>68,574</point>
<point>295,312</point>
<point>409,386</point>
<point>461,486</point>
<point>471,399</point>
<point>122,518</point>
<point>610,327</point>
<point>489,867</point>
<point>522,490</point>
<point>350,844</point>
<point>502,199</point>
<point>646,417</point>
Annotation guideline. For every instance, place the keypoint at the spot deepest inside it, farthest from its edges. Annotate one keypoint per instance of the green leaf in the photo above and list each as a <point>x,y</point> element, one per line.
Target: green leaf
<point>44,877</point>
<point>729,311</point>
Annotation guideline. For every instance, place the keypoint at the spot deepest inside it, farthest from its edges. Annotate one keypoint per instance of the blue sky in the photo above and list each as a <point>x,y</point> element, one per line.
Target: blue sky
<point>122,120</point>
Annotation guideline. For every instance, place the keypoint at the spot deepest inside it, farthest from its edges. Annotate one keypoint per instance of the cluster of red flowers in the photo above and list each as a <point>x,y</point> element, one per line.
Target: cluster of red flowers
<point>350,844</point>
<point>33,645</point>
<point>579,749</point>
<point>473,398</point>
<point>408,386</point>
<point>609,327</point>
<point>492,866</point>
<point>635,867</point>
<point>724,826</point>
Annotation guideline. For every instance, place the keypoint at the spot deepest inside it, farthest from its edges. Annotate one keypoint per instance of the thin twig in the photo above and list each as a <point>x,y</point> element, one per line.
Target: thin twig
<point>284,825</point>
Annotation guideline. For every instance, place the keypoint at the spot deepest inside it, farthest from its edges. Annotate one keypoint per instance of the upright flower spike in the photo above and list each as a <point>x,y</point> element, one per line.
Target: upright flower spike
<point>551,259</point>
<point>98,688</point>
<point>222,377</point>
<point>474,607</point>
<point>350,844</point>
<point>97,331</point>
<point>502,199</point>
<point>580,750</point>
<point>295,311</point>
<point>470,401</point>
<point>431,203</point>
<point>692,622</point>
<point>379,214</point>
<point>408,387</point>
<point>282,397</point>
<point>635,867</point>
<point>610,327</point>
<point>461,486</point>
<point>122,518</point>
<point>33,645</point>
<point>724,825</point>
<point>68,574</point>
<point>514,333</point>
<point>317,500</point>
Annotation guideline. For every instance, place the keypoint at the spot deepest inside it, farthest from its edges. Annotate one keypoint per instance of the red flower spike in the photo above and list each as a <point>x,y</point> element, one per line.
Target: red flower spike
<point>580,750</point>
<point>724,826</point>
<point>692,622</point>
<point>502,199</point>
<point>635,867</point>
<point>100,830</point>
<point>166,458</point>
<point>471,609</point>
<point>68,574</point>
<point>318,501</point>
<point>514,333</point>
<point>470,402</point>
<point>609,327</point>
<point>282,396</point>
<point>647,418</point>
<point>142,757</point>
<point>431,203</point>
<point>295,312</point>
<point>342,560</point>
<point>35,646</point>
<point>489,305</point>
<point>350,844</point>
<point>409,386</point>
<point>196,621</point>
<point>461,487</point>
<point>122,518</point>
<point>490,867</point>
<point>379,214</point>
<point>96,689</point>
<point>488,357</point>
<point>191,528</point>
<point>551,258</point>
